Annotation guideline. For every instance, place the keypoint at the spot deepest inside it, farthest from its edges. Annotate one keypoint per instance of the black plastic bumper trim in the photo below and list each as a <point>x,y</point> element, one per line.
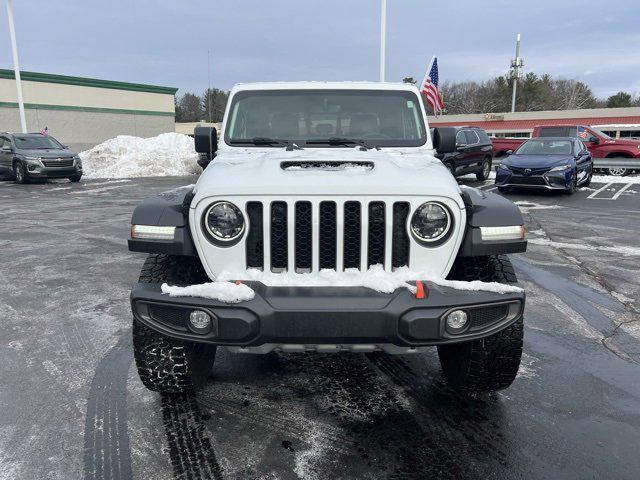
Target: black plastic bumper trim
<point>327,315</point>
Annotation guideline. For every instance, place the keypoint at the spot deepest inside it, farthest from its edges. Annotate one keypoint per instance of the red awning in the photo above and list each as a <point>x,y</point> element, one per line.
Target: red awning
<point>525,125</point>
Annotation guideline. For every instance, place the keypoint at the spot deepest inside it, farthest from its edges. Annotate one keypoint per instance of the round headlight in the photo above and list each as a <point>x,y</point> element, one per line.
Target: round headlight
<point>224,221</point>
<point>430,222</point>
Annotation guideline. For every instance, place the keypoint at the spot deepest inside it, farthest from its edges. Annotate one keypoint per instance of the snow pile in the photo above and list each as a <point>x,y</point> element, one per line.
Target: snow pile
<point>168,154</point>
<point>613,179</point>
<point>222,291</point>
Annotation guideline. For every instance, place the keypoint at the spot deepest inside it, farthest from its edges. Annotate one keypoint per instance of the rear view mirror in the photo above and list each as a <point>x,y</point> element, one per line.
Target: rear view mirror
<point>444,139</point>
<point>509,152</point>
<point>595,140</point>
<point>206,140</point>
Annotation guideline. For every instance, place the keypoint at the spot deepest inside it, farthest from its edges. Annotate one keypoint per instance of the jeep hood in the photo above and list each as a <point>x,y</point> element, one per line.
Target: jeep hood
<point>326,172</point>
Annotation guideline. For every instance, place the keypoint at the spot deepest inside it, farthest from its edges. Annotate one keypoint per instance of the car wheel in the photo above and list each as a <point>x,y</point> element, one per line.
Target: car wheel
<point>588,180</point>
<point>483,174</point>
<point>491,363</point>
<point>165,364</point>
<point>20,173</point>
<point>75,179</point>
<point>574,183</point>
<point>618,171</point>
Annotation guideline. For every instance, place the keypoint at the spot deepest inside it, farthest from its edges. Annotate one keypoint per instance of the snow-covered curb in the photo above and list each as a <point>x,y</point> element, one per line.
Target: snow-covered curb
<point>225,290</point>
<point>613,179</point>
<point>168,154</point>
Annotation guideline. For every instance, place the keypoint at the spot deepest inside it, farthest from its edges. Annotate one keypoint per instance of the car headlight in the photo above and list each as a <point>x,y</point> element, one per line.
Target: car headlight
<point>33,159</point>
<point>224,222</point>
<point>431,222</point>
<point>561,168</point>
<point>503,166</point>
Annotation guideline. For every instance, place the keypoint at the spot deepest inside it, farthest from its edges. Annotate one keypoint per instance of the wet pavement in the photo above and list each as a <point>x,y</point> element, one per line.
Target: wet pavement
<point>73,407</point>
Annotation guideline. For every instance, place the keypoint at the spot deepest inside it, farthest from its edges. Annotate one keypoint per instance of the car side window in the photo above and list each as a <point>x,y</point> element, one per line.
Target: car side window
<point>460,138</point>
<point>472,137</point>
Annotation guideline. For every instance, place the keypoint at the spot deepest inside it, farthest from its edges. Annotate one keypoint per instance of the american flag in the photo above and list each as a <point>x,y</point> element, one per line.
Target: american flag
<point>45,131</point>
<point>430,87</point>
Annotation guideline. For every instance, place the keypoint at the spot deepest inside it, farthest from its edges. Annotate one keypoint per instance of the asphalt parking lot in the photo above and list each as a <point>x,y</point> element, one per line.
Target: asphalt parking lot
<point>73,407</point>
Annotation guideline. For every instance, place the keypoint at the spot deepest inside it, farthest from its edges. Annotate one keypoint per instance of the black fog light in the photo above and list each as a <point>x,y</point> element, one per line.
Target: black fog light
<point>31,168</point>
<point>456,321</point>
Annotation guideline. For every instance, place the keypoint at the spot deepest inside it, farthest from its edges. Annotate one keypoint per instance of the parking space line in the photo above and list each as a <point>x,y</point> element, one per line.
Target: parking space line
<point>601,190</point>
<point>619,192</point>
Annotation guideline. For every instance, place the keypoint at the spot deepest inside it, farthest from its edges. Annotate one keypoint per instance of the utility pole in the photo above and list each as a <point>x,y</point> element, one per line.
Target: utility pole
<point>16,66</point>
<point>515,72</point>
<point>383,37</point>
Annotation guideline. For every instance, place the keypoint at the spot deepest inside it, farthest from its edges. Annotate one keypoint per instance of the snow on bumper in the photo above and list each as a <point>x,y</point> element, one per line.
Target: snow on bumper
<point>330,316</point>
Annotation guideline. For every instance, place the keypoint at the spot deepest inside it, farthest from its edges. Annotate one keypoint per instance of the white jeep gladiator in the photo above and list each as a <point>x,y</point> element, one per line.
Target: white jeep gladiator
<point>320,199</point>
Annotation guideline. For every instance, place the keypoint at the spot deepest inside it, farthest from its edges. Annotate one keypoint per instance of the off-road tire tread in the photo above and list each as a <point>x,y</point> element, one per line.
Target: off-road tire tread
<point>492,363</point>
<point>165,364</point>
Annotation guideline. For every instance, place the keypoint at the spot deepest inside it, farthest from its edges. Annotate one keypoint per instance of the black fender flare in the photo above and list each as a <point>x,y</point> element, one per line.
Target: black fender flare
<point>170,208</point>
<point>486,209</point>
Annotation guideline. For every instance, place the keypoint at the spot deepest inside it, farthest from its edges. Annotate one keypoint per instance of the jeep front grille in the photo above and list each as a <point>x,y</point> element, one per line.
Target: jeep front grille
<point>305,236</point>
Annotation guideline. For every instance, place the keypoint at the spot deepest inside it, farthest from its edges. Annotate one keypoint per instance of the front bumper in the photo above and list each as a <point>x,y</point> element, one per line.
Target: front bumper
<point>329,316</point>
<point>52,172</point>
<point>547,180</point>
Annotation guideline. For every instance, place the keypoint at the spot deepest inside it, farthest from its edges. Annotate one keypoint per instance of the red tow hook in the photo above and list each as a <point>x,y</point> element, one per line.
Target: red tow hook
<point>420,293</point>
<point>238,282</point>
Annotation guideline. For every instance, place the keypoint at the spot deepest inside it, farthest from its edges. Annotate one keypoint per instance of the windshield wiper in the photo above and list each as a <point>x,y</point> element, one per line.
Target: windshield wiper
<point>268,141</point>
<point>341,141</point>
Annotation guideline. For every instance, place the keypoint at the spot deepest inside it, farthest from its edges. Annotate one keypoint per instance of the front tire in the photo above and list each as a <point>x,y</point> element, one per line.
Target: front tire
<point>20,173</point>
<point>491,363</point>
<point>164,364</point>
<point>75,179</point>
<point>483,174</point>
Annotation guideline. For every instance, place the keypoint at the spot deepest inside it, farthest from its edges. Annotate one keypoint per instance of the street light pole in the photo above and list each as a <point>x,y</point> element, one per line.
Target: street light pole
<point>383,37</point>
<point>16,66</point>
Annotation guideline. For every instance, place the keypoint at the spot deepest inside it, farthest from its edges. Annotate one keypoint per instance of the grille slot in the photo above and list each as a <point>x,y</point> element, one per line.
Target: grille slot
<point>65,162</point>
<point>352,235</point>
<point>279,242</point>
<point>170,316</point>
<point>255,239</point>
<point>482,317</point>
<point>400,245</point>
<point>375,253</point>
<point>328,235</point>
<point>303,236</point>
<point>308,235</point>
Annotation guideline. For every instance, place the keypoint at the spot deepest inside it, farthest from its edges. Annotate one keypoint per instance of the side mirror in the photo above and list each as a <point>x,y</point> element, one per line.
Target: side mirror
<point>6,148</point>
<point>595,140</point>
<point>508,152</point>
<point>206,140</point>
<point>444,139</point>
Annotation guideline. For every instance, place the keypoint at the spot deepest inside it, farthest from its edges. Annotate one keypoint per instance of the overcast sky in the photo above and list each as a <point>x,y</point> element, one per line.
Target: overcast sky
<point>166,42</point>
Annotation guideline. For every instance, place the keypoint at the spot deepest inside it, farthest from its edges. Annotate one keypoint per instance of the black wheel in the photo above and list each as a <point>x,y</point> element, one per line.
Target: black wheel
<point>164,364</point>
<point>20,172</point>
<point>75,179</point>
<point>587,182</point>
<point>483,174</point>
<point>491,363</point>
<point>573,185</point>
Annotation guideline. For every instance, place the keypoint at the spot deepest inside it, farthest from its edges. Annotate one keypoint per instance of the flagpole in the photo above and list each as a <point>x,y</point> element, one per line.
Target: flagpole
<point>16,66</point>
<point>383,37</point>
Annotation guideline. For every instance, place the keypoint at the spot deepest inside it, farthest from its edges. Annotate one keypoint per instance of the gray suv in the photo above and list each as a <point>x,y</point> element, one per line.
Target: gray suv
<point>31,156</point>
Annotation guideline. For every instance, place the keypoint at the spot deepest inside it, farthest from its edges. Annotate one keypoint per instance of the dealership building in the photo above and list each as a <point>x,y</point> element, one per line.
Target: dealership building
<point>82,112</point>
<point>615,122</point>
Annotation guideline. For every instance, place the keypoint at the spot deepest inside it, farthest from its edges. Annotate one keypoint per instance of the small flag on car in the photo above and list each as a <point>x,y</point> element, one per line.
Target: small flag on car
<point>45,131</point>
<point>430,87</point>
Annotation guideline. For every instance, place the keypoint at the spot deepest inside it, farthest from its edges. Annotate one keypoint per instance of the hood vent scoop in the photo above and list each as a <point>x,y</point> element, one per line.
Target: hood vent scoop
<point>331,166</point>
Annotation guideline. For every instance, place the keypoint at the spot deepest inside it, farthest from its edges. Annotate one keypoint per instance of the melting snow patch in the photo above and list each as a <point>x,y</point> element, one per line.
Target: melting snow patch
<point>626,251</point>
<point>613,179</point>
<point>526,206</point>
<point>222,291</point>
<point>168,154</point>
<point>527,369</point>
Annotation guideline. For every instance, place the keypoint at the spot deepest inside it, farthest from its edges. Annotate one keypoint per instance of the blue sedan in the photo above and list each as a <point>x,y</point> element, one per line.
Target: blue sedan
<point>552,163</point>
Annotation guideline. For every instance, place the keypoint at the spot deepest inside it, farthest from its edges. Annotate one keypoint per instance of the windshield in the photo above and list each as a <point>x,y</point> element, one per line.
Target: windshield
<point>36,143</point>
<point>545,147</point>
<point>321,118</point>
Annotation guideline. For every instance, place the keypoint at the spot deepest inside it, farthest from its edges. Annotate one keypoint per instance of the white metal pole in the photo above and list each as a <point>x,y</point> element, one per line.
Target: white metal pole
<point>516,74</point>
<point>383,37</point>
<point>16,66</point>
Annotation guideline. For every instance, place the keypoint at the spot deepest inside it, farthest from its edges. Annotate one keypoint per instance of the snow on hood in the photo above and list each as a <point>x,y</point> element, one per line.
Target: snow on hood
<point>259,171</point>
<point>168,154</point>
